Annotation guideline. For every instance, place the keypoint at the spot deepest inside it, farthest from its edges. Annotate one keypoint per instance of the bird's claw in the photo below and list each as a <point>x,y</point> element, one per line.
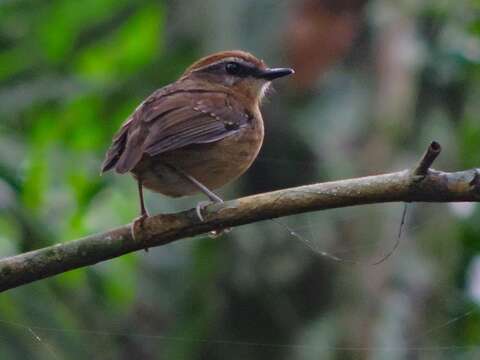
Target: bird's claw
<point>137,225</point>
<point>200,207</point>
<point>214,233</point>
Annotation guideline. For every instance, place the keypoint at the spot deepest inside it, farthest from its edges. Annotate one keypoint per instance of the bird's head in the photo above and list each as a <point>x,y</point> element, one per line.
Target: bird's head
<point>237,70</point>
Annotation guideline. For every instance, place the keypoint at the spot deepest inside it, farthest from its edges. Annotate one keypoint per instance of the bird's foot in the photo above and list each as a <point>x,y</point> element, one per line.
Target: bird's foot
<point>200,207</point>
<point>137,225</point>
<point>214,233</point>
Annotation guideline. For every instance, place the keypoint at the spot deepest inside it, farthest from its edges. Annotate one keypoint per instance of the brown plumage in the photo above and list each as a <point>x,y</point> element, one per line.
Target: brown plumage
<point>198,133</point>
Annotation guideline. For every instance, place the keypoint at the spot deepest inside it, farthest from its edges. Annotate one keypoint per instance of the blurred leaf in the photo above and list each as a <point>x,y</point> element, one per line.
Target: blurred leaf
<point>63,21</point>
<point>13,61</point>
<point>120,283</point>
<point>127,50</point>
<point>73,280</point>
<point>470,138</point>
<point>35,179</point>
<point>78,124</point>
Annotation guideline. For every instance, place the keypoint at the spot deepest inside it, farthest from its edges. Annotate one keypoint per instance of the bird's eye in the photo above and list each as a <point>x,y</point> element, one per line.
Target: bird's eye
<point>232,68</point>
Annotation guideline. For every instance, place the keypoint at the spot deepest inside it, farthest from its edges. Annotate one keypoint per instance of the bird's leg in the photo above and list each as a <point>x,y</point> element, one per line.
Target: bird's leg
<point>143,209</point>
<point>138,222</point>
<point>214,198</point>
<point>210,194</point>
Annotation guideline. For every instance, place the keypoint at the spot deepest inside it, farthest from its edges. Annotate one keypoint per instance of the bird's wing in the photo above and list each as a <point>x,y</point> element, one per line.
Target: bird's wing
<point>197,120</point>
<point>169,122</point>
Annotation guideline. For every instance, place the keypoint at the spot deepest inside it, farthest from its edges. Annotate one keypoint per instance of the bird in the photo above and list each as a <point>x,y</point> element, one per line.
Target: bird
<point>198,133</point>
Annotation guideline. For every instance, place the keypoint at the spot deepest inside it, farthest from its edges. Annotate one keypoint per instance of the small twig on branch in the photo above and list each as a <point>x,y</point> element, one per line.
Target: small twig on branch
<point>436,186</point>
<point>419,173</point>
<point>427,159</point>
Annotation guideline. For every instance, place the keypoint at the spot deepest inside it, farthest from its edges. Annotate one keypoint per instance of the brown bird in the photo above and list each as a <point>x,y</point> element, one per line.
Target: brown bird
<point>198,133</point>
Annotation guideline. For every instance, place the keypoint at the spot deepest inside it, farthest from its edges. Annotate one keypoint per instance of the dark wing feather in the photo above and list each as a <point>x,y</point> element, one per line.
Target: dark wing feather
<point>117,147</point>
<point>133,150</point>
<point>196,120</point>
<point>165,122</point>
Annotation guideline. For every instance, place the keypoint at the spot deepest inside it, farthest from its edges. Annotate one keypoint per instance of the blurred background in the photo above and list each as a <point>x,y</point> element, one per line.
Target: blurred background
<point>375,82</point>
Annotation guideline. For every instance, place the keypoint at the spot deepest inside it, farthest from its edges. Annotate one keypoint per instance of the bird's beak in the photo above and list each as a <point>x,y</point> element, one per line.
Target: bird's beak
<point>275,73</point>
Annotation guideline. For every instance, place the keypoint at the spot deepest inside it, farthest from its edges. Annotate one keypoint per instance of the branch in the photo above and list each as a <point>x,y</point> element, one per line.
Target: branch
<point>421,184</point>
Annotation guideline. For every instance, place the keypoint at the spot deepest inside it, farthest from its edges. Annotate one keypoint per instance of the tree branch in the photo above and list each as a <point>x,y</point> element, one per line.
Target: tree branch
<point>421,184</point>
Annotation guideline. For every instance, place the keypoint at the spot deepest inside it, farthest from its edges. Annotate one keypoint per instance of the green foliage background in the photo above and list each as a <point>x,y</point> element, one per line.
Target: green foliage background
<point>72,71</point>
